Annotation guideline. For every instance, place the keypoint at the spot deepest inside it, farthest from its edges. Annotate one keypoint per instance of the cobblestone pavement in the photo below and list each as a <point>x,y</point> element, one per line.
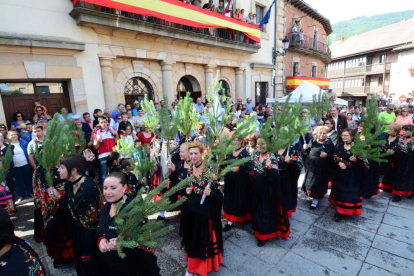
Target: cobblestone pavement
<point>379,242</point>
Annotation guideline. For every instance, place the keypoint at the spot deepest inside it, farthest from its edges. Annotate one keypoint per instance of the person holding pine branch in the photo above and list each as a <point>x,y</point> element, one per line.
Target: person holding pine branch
<point>290,165</point>
<point>403,176</point>
<point>133,184</point>
<point>201,229</point>
<point>346,193</point>
<point>370,174</point>
<point>237,187</point>
<point>139,260</point>
<point>316,163</point>
<point>386,170</point>
<point>179,172</point>
<point>85,203</point>
<point>269,218</point>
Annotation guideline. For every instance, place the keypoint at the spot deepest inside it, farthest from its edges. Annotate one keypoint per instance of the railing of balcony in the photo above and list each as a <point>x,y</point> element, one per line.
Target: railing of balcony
<point>223,33</point>
<point>305,42</point>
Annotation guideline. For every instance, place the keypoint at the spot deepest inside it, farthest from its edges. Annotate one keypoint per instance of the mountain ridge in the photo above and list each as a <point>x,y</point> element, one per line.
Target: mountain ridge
<point>363,24</point>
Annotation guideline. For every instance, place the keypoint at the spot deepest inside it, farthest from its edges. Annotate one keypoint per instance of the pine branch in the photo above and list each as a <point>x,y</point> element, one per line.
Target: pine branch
<point>5,163</point>
<point>186,116</point>
<point>367,148</point>
<point>318,106</point>
<point>151,119</point>
<point>125,149</point>
<point>141,165</point>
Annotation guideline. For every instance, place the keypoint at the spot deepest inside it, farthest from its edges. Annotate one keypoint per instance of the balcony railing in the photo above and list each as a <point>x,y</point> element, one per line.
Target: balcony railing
<point>220,33</point>
<point>376,89</point>
<point>370,69</point>
<point>306,43</point>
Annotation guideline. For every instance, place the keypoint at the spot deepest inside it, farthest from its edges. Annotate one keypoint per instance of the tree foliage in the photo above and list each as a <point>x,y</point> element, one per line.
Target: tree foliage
<point>186,116</point>
<point>5,164</point>
<point>369,146</point>
<point>284,127</point>
<point>63,138</point>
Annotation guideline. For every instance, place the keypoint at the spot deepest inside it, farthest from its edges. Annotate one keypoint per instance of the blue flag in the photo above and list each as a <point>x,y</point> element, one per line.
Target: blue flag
<point>266,18</point>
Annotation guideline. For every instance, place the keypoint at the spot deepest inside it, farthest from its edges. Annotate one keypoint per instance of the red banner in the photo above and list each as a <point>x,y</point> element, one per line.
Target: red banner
<point>178,12</point>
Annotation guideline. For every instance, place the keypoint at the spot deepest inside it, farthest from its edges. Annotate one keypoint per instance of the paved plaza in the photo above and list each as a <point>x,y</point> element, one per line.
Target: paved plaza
<point>379,242</point>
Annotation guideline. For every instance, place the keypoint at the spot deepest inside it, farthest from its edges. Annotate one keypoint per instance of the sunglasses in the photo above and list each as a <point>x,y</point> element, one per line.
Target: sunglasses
<point>103,122</point>
<point>19,116</point>
<point>39,110</point>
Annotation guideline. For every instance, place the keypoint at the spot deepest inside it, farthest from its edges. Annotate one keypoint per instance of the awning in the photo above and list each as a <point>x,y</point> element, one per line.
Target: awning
<point>180,13</point>
<point>294,82</point>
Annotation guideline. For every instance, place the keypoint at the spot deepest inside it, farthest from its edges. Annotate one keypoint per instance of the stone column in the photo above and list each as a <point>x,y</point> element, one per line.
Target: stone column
<point>108,81</point>
<point>209,75</point>
<point>167,81</point>
<point>240,93</point>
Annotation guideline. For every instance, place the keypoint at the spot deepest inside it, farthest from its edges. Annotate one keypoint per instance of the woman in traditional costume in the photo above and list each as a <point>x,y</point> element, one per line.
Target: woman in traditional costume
<point>290,165</point>
<point>269,218</point>
<point>318,167</point>
<point>201,229</point>
<point>138,261</point>
<point>346,193</point>
<point>84,202</point>
<point>403,176</point>
<point>237,187</point>
<point>17,256</point>
<point>386,170</point>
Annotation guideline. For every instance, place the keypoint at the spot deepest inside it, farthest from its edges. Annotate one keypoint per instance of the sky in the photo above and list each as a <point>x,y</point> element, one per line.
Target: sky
<point>341,10</point>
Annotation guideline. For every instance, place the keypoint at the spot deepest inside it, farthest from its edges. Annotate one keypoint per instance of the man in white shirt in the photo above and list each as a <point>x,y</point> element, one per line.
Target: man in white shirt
<point>40,137</point>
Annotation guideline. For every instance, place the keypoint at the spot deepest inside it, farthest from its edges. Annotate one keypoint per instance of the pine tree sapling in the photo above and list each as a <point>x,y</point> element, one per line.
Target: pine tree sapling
<point>318,106</point>
<point>141,163</point>
<point>125,148</point>
<point>186,116</point>
<point>133,228</point>
<point>168,127</point>
<point>151,119</point>
<point>281,130</point>
<point>369,147</point>
<point>63,138</point>
<point>5,164</point>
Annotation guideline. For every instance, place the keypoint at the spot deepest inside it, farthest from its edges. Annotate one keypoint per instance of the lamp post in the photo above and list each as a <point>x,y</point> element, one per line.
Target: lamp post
<point>275,54</point>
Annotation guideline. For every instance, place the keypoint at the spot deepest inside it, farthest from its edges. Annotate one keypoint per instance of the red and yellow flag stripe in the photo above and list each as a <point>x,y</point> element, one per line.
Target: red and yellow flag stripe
<point>294,82</point>
<point>178,12</point>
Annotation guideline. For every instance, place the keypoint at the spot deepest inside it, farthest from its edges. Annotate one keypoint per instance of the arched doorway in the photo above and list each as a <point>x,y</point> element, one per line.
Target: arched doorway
<point>136,89</point>
<point>225,87</point>
<point>188,84</point>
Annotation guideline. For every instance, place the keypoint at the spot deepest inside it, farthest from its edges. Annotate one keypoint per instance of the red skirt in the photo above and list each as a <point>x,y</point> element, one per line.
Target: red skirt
<point>282,230</point>
<point>348,209</point>
<point>289,212</point>
<point>236,218</point>
<point>385,186</point>
<point>203,267</point>
<point>401,193</point>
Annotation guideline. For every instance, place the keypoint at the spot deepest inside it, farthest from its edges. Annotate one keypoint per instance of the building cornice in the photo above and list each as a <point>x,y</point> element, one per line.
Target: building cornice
<point>40,41</point>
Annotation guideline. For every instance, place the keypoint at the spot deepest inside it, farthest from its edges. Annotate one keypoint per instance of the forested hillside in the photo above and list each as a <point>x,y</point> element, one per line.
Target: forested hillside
<point>364,24</point>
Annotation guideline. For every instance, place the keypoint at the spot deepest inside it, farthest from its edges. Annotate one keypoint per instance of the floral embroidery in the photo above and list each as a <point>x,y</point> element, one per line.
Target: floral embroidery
<point>199,183</point>
<point>35,268</point>
<point>405,147</point>
<point>260,167</point>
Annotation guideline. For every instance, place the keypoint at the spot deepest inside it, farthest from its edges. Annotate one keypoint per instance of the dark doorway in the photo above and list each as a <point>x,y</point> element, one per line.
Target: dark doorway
<point>20,96</point>
<point>261,91</point>
<point>188,84</point>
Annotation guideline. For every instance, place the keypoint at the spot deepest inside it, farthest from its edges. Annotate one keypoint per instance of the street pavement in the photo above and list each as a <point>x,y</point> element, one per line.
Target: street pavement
<point>379,242</point>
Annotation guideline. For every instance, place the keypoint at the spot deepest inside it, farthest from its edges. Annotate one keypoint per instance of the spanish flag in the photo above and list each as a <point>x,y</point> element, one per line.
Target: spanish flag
<point>178,12</point>
<point>294,82</point>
